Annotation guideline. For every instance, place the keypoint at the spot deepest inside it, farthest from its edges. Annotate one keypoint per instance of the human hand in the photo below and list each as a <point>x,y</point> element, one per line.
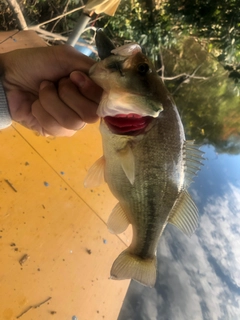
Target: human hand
<point>48,89</point>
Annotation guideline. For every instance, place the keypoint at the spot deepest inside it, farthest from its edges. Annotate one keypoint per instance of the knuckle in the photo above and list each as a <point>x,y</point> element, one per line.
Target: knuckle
<point>90,118</point>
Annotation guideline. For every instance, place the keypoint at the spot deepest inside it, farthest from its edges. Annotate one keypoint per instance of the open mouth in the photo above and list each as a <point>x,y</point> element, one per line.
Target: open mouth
<point>131,124</point>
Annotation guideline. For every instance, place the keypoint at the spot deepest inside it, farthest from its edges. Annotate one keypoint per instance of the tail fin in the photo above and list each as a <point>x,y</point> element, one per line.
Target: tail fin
<point>130,266</point>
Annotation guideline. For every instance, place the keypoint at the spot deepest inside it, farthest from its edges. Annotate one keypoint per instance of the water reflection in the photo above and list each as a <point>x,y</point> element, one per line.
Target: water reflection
<point>198,278</point>
<point>195,45</point>
<point>206,97</point>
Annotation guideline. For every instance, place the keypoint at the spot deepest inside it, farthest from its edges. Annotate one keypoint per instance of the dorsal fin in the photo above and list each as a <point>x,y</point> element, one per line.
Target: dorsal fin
<point>193,161</point>
<point>118,220</point>
<point>95,175</point>
<point>184,214</point>
<point>127,49</point>
<point>126,158</point>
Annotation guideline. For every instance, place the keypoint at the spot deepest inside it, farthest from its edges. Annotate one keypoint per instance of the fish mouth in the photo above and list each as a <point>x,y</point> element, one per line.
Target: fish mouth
<point>128,124</point>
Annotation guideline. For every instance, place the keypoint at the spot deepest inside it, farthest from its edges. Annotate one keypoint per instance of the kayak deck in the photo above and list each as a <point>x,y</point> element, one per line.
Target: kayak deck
<point>56,252</point>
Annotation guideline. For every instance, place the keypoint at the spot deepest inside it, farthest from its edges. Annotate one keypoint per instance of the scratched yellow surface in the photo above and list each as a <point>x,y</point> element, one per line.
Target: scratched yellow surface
<point>55,225</point>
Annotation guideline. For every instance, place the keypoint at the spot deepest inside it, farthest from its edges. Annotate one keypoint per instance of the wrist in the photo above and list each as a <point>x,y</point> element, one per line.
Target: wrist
<point>5,117</point>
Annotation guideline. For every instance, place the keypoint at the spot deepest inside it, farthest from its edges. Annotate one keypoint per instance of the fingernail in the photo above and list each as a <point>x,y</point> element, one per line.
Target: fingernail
<point>82,126</point>
<point>78,78</point>
<point>45,83</point>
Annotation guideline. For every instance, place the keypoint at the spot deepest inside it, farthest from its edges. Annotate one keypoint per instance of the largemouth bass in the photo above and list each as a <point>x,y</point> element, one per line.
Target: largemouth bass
<point>146,160</point>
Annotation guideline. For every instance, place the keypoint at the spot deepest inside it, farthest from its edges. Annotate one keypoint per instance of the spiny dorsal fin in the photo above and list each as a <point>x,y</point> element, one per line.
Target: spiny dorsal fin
<point>193,161</point>
<point>118,221</point>
<point>184,214</point>
<point>126,158</point>
<point>127,49</point>
<point>95,175</point>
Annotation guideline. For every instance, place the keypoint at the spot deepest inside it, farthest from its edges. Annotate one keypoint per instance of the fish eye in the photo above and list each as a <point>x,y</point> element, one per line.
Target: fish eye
<point>143,68</point>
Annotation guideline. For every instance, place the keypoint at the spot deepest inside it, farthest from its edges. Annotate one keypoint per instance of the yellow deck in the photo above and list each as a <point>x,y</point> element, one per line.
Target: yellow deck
<point>48,217</point>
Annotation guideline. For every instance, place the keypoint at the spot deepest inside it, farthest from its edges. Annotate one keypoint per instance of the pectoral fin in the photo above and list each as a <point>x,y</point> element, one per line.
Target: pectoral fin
<point>184,214</point>
<point>126,158</point>
<point>95,175</point>
<point>118,221</point>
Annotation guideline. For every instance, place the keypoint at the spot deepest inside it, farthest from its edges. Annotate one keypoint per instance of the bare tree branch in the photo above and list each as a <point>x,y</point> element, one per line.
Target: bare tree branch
<point>64,11</point>
<point>186,75</point>
<point>58,17</point>
<point>13,4</point>
<point>49,36</point>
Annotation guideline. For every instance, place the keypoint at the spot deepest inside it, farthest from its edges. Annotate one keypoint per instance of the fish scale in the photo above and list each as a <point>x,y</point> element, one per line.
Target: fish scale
<point>148,205</point>
<point>147,164</point>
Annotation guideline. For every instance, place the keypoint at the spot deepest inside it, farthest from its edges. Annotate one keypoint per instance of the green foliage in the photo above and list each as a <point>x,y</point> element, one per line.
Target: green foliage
<point>218,21</point>
<point>208,106</point>
<point>135,22</point>
<point>39,11</point>
<point>204,68</point>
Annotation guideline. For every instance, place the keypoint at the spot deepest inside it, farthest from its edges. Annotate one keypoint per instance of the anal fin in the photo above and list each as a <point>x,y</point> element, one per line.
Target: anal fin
<point>118,221</point>
<point>184,214</point>
<point>95,175</point>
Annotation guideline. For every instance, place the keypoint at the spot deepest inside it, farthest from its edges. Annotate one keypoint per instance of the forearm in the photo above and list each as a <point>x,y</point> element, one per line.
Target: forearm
<point>5,117</point>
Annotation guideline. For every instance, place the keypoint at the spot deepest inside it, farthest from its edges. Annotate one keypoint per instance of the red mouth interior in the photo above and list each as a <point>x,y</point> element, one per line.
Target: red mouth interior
<point>130,123</point>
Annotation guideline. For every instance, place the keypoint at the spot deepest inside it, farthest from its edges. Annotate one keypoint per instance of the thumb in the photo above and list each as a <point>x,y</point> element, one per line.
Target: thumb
<point>69,59</point>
